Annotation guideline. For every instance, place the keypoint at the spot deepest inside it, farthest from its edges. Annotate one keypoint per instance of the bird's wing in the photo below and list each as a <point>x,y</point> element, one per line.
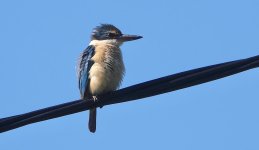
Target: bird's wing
<point>83,67</point>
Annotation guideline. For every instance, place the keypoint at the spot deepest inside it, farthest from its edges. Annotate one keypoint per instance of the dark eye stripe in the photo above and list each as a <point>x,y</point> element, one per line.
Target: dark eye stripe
<point>112,35</point>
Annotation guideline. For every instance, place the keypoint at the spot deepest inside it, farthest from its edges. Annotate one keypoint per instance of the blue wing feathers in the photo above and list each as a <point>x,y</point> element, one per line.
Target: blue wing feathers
<point>84,65</point>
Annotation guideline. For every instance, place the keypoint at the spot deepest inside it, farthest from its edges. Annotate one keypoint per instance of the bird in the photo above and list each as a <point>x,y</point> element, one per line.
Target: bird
<point>100,67</point>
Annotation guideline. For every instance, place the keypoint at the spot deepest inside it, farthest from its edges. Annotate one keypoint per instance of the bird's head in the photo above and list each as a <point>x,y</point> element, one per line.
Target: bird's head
<point>111,34</point>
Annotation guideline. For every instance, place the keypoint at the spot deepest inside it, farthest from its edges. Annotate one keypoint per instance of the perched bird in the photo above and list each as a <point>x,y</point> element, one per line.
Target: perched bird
<point>100,67</point>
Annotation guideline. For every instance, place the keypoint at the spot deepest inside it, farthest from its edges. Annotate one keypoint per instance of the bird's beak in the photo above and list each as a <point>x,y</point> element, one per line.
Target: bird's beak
<point>126,37</point>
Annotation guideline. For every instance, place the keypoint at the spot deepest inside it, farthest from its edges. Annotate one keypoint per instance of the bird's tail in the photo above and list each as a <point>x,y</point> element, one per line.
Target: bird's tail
<point>92,120</point>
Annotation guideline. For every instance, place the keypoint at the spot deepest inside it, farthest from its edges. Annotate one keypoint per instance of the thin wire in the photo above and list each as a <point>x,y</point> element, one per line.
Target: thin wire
<point>146,89</point>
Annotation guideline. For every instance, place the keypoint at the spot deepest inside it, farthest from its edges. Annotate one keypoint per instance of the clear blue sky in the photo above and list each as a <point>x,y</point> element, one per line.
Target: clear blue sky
<point>41,41</point>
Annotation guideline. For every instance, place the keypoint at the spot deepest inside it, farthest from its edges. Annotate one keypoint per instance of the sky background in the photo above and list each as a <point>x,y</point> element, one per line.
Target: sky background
<point>40,44</point>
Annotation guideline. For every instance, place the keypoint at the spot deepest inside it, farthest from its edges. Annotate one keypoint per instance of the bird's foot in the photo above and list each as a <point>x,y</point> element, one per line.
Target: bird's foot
<point>95,98</point>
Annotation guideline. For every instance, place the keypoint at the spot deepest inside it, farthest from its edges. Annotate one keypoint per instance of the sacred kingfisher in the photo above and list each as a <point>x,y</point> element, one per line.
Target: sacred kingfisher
<point>100,67</point>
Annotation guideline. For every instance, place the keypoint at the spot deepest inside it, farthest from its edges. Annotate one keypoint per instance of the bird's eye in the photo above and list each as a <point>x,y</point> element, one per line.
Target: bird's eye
<point>112,35</point>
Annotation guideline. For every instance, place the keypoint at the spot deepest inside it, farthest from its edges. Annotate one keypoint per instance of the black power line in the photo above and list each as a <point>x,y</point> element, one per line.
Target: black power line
<point>138,91</point>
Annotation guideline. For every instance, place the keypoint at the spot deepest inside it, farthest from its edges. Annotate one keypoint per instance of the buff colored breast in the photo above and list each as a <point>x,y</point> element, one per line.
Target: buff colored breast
<point>107,71</point>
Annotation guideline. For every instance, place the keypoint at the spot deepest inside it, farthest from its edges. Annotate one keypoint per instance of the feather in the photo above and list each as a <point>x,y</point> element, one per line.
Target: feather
<point>83,67</point>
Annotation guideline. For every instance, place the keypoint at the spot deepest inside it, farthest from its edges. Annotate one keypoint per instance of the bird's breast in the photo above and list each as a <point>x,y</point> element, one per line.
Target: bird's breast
<point>107,71</point>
